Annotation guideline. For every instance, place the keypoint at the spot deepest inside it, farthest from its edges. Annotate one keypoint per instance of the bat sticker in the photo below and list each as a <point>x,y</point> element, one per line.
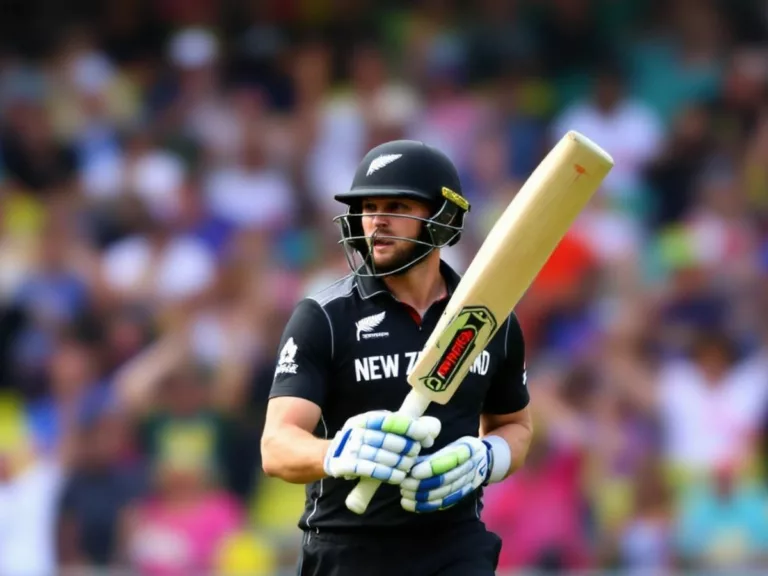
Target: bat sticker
<point>473,326</point>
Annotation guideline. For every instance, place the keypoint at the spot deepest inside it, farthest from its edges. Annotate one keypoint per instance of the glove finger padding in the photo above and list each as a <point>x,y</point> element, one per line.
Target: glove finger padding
<point>379,445</point>
<point>423,430</point>
<point>388,442</point>
<point>450,478</point>
<point>435,505</point>
<point>445,460</point>
<point>440,480</point>
<point>350,469</point>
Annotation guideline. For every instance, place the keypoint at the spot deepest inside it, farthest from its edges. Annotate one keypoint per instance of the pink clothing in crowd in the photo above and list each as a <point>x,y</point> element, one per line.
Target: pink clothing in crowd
<point>538,513</point>
<point>175,542</point>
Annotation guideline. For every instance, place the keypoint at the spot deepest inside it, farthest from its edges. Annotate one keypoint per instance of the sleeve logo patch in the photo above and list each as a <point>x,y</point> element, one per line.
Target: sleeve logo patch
<point>287,362</point>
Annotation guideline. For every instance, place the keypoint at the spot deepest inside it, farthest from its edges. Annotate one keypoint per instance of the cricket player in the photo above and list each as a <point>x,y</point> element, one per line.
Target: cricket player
<point>341,375</point>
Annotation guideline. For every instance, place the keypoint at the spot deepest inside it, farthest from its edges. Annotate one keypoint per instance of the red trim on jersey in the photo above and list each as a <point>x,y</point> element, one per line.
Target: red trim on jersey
<point>414,314</point>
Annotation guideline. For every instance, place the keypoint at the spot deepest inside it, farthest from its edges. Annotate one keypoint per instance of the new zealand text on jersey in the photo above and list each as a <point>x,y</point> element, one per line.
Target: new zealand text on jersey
<point>389,365</point>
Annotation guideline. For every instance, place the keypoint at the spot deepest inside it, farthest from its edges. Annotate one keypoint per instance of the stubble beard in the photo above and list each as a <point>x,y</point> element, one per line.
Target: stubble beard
<point>400,259</point>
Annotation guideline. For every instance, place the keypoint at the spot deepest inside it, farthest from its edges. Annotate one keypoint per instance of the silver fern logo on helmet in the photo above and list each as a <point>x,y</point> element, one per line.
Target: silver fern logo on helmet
<point>381,161</point>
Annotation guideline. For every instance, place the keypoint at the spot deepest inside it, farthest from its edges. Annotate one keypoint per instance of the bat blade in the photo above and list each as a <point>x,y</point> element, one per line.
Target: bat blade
<point>516,249</point>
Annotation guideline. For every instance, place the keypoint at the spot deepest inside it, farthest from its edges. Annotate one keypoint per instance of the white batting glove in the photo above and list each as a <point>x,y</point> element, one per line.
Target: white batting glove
<point>440,480</point>
<point>380,444</point>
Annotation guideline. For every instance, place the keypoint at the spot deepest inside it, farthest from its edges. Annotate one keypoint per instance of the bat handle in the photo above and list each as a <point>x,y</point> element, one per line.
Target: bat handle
<point>358,499</point>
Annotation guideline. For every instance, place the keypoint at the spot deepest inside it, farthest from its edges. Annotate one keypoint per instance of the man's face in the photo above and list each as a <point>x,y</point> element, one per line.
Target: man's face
<point>389,254</point>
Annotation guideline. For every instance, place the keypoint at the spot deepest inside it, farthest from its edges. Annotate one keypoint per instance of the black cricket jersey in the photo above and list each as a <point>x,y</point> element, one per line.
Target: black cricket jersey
<point>348,349</point>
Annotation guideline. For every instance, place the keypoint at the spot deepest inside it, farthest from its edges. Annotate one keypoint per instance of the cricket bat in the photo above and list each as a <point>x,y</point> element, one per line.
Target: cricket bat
<point>516,249</point>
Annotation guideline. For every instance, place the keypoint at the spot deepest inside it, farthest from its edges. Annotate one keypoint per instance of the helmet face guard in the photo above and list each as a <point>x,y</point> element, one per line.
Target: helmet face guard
<point>442,229</point>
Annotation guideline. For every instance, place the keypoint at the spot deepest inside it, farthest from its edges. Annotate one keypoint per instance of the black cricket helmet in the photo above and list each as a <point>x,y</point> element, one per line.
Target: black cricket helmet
<point>403,169</point>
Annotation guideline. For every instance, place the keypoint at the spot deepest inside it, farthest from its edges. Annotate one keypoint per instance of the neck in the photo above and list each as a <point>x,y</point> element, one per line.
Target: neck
<point>420,286</point>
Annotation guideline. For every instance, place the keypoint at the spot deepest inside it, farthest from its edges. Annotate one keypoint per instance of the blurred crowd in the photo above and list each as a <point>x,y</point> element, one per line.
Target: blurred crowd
<point>166,179</point>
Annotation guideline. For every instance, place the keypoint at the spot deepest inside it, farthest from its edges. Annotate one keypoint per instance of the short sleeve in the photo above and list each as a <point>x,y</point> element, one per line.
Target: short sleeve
<point>508,392</point>
<point>305,352</point>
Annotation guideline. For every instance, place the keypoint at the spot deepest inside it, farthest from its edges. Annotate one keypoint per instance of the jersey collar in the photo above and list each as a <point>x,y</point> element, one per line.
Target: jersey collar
<point>369,286</point>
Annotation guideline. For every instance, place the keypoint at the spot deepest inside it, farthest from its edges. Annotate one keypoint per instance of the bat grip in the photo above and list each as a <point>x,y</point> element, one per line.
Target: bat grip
<point>358,499</point>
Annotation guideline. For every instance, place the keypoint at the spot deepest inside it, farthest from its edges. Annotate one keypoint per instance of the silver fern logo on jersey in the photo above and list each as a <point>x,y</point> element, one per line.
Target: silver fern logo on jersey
<point>365,327</point>
<point>381,161</point>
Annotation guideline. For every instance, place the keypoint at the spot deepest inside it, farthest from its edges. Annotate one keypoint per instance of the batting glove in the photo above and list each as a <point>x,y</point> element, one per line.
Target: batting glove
<point>441,480</point>
<point>380,444</point>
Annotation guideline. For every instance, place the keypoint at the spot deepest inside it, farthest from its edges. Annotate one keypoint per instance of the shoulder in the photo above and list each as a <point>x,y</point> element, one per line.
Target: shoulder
<point>321,306</point>
<point>513,334</point>
<point>326,296</point>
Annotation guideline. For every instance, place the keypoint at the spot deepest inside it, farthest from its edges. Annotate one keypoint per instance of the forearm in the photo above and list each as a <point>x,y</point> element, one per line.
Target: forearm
<point>517,436</point>
<point>294,455</point>
<point>139,379</point>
